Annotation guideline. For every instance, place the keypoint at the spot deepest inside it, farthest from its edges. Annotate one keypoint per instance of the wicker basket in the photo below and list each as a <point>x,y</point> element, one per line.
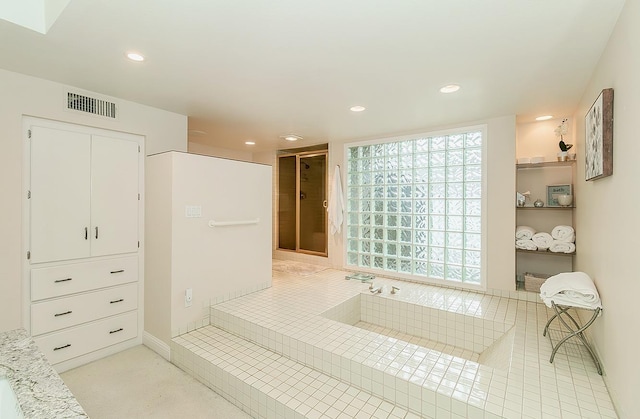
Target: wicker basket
<point>533,281</point>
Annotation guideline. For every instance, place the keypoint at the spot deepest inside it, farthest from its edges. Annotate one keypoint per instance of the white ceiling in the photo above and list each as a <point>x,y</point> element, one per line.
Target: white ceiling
<point>254,70</point>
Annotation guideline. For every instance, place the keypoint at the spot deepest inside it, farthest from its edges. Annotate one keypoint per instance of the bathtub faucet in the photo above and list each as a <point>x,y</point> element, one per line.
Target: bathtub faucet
<point>376,290</point>
<point>394,290</point>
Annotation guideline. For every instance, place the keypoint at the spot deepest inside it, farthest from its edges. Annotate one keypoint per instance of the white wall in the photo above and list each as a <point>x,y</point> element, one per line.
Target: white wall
<point>539,139</point>
<point>25,95</point>
<point>158,237</point>
<point>607,217</point>
<point>216,263</point>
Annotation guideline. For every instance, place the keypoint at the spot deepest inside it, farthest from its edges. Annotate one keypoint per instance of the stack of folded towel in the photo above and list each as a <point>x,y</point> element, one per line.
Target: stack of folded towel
<point>561,239</point>
<point>575,289</point>
<point>564,238</point>
<point>524,235</point>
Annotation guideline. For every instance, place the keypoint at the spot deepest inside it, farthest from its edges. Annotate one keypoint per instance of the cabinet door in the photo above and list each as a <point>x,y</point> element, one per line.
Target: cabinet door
<point>114,196</point>
<point>60,194</point>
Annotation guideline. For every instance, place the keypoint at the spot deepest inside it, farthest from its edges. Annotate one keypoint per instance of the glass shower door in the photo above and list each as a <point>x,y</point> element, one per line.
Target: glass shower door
<point>302,203</point>
<point>287,203</point>
<point>313,203</point>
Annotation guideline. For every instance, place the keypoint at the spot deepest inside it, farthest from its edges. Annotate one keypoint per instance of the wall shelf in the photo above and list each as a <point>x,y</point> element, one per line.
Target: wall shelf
<point>545,164</point>
<point>545,208</point>
<point>545,252</point>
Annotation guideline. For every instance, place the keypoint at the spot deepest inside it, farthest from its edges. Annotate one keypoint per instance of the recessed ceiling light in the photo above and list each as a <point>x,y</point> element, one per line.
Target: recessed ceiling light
<point>250,142</point>
<point>450,88</point>
<point>291,137</point>
<point>134,56</point>
<point>544,117</point>
<point>357,108</point>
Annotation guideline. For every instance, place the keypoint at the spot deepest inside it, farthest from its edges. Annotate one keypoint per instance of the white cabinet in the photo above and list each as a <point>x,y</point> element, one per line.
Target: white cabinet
<point>84,195</point>
<point>84,211</point>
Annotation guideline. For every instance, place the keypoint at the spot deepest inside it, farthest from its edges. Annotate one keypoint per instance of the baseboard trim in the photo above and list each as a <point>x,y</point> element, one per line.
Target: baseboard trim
<point>156,345</point>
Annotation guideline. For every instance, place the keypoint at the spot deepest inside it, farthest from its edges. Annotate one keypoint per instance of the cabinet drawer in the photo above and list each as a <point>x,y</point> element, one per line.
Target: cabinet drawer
<point>50,315</point>
<point>56,281</point>
<point>70,343</point>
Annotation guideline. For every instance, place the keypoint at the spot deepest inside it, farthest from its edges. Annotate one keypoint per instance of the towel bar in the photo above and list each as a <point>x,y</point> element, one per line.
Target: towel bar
<point>560,312</point>
<point>213,223</point>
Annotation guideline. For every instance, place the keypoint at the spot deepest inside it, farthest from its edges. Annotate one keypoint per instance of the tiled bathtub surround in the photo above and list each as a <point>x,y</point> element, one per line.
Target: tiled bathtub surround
<point>462,335</point>
<point>286,320</point>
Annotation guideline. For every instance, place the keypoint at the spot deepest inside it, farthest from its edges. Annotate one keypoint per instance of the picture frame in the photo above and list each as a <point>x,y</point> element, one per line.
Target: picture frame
<point>554,190</point>
<point>599,137</point>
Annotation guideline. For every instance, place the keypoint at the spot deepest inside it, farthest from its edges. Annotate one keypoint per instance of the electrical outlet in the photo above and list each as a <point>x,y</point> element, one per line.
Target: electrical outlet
<point>188,297</point>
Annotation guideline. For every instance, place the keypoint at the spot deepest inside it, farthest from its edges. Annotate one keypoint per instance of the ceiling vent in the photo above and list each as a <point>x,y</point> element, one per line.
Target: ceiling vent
<point>82,103</point>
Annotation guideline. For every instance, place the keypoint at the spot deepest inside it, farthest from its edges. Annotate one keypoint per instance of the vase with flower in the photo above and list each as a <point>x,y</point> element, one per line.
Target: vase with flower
<point>561,131</point>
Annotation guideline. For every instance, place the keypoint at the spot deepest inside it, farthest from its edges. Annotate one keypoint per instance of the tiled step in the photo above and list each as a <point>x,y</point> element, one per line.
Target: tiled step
<point>423,381</point>
<point>267,385</point>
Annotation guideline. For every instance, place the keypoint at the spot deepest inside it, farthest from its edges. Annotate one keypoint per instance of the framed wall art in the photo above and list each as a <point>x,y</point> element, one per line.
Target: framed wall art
<point>599,137</point>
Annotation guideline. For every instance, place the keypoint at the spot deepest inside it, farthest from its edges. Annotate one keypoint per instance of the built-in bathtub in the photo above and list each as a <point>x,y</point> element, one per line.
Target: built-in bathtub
<point>432,351</point>
<point>485,341</point>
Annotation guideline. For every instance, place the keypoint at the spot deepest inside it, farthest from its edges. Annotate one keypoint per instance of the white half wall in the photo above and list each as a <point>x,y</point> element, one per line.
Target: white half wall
<point>217,263</point>
<point>25,95</point>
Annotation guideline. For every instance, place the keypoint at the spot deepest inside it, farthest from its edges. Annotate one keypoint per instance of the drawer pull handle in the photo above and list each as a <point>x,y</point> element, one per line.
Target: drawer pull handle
<point>62,347</point>
<point>96,232</point>
<point>116,301</point>
<point>62,314</point>
<point>86,233</point>
<point>116,331</point>
<point>62,280</point>
<point>117,272</point>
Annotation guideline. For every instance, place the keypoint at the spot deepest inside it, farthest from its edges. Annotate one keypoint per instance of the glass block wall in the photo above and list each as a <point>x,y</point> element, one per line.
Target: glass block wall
<point>415,207</point>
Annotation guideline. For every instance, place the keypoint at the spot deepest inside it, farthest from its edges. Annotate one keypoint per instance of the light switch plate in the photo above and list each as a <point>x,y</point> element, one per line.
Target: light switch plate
<point>193,211</point>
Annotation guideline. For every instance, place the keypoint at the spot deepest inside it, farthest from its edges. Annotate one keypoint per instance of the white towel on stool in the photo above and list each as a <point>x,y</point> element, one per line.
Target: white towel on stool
<point>562,247</point>
<point>575,289</point>
<point>524,232</point>
<point>336,203</point>
<point>542,240</point>
<point>564,234</point>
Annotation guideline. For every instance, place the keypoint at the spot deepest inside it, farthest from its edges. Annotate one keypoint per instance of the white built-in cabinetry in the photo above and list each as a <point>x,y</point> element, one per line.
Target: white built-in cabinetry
<point>84,209</point>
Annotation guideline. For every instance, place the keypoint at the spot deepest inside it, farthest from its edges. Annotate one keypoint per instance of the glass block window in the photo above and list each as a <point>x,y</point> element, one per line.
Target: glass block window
<point>414,207</point>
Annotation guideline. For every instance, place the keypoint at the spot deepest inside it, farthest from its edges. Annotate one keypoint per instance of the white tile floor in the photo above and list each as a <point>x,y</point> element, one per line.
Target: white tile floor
<point>286,319</point>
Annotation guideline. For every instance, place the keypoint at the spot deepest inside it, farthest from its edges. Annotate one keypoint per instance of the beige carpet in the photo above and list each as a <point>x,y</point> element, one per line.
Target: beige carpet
<point>138,383</point>
<point>296,268</point>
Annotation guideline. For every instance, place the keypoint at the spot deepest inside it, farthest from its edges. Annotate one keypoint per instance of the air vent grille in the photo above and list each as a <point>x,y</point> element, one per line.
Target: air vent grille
<point>91,105</point>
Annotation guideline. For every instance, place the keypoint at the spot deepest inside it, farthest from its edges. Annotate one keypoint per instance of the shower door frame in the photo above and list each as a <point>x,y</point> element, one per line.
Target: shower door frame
<point>298,156</point>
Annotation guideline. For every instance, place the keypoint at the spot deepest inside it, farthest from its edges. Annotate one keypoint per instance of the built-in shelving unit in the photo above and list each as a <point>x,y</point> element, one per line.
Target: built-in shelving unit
<point>535,177</point>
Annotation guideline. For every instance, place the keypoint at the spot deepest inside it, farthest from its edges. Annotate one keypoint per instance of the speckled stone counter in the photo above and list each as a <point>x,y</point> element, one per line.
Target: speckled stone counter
<point>39,389</point>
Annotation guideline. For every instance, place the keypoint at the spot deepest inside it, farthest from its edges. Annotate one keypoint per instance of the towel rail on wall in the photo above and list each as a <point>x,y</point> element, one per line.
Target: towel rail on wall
<point>213,223</point>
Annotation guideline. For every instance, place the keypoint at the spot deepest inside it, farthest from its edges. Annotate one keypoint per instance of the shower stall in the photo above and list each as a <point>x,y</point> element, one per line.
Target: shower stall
<point>302,202</point>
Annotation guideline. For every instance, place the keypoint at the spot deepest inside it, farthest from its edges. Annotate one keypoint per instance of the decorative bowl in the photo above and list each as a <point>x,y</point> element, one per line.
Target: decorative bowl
<point>565,200</point>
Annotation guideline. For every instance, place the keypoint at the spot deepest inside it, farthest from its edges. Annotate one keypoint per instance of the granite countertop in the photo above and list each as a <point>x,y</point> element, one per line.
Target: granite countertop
<point>40,391</point>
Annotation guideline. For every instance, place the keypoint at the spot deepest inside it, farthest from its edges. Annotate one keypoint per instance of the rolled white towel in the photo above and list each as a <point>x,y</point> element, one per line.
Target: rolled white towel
<point>526,245</point>
<point>542,240</point>
<point>562,247</point>
<point>574,289</point>
<point>564,234</point>
<point>524,232</point>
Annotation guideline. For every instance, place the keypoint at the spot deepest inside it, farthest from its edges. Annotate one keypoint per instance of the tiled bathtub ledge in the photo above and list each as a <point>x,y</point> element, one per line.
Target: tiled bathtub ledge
<point>286,319</point>
<point>40,391</point>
